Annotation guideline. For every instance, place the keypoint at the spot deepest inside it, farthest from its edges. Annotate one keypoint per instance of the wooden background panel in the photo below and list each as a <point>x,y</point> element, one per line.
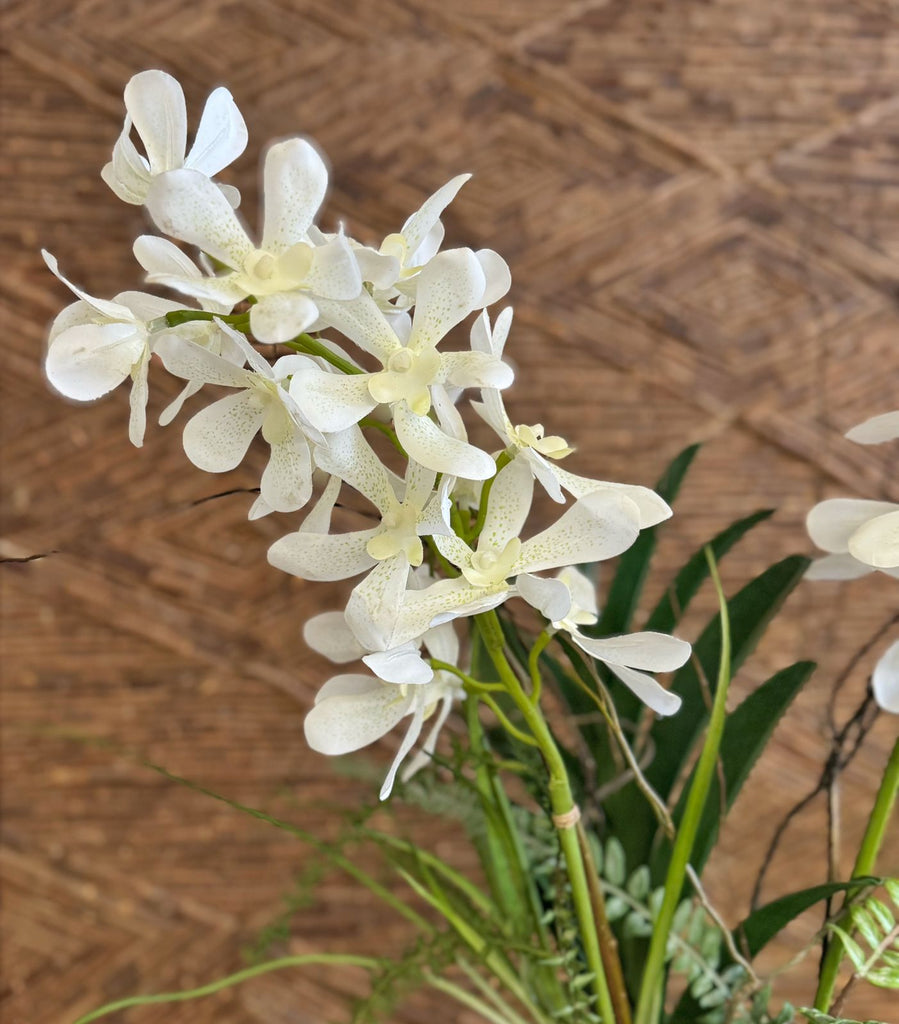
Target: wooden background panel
<point>698,206</point>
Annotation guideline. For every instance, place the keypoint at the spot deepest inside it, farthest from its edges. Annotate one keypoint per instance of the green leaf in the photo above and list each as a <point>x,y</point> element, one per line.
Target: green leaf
<point>750,611</point>
<point>633,566</point>
<point>757,930</point>
<point>746,733</point>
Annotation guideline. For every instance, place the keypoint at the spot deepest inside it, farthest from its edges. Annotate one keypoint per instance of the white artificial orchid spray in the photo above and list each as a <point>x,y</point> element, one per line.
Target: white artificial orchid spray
<point>439,546</point>
<point>464,598</point>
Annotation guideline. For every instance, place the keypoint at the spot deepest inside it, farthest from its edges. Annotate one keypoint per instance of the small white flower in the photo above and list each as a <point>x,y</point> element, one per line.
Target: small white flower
<point>290,269</point>
<point>597,527</point>
<point>217,438</point>
<point>156,109</point>
<point>860,535</point>
<point>626,655</point>
<point>885,680</point>
<point>96,344</point>
<point>352,711</point>
<point>450,287</point>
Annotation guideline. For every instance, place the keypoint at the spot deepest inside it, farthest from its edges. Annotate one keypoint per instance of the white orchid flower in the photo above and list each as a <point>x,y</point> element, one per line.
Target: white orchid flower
<point>599,526</point>
<point>289,271</point>
<point>393,270</point>
<point>629,657</point>
<point>885,680</point>
<point>352,711</point>
<point>387,550</point>
<point>877,429</point>
<point>160,256</point>
<point>540,451</point>
<point>330,635</point>
<point>450,287</point>
<point>217,438</point>
<point>157,111</point>
<point>860,535</point>
<point>96,344</point>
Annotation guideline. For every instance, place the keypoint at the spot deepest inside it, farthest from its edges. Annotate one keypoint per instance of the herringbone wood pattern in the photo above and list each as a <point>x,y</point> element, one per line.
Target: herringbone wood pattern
<point>698,203</point>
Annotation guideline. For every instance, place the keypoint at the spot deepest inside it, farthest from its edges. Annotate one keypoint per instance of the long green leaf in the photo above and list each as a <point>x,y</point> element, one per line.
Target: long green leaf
<point>751,609</point>
<point>757,930</point>
<point>633,566</point>
<point>746,733</point>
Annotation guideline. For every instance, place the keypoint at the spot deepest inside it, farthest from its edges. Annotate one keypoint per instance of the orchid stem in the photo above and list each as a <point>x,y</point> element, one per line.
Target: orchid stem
<point>564,810</point>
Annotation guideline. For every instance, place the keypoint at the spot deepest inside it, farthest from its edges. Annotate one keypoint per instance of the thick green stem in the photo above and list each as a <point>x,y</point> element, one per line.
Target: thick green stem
<point>185,316</point>
<point>564,809</point>
<point>865,863</point>
<point>649,1003</point>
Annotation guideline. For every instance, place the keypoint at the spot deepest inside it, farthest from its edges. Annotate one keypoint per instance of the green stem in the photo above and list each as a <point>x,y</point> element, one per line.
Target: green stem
<point>651,996</point>
<point>534,665</point>
<point>562,803</point>
<point>185,316</point>
<point>231,979</point>
<point>310,346</point>
<point>865,863</point>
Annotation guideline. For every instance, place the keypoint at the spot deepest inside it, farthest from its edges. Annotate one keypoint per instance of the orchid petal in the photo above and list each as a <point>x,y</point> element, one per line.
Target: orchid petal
<point>876,429</point>
<point>127,173</point>
<point>107,310</point>
<point>342,722</point>
<point>427,749</point>
<point>221,135</point>
<point>322,556</point>
<point>137,401</point>
<point>332,402</point>
<point>885,680</point>
<point>217,438</point>
<point>423,220</point>
<point>403,665</point>
<point>187,205</point>
<point>175,406</point>
<point>449,288</point>
<point>350,457</point>
<point>412,734</point>
<point>597,527</point>
<point>286,483</point>
<point>161,256</point>
<point>476,370</point>
<point>428,444</point>
<point>508,506</point>
<point>88,361</point>
<point>837,567</point>
<point>877,541</point>
<point>497,276</point>
<point>374,604</point>
<point>649,690</point>
<point>329,635</point>
<point>441,602</point>
<point>282,316</point>
<point>653,509</point>
<point>363,323</point>
<point>155,102</point>
<point>652,652</point>
<point>295,183</point>
<point>145,307</point>
<point>832,523</point>
<point>334,272</point>
<point>192,362</point>
<point>550,597</point>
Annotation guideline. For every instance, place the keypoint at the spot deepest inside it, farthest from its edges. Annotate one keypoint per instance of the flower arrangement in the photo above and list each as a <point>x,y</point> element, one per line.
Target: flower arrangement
<point>339,354</point>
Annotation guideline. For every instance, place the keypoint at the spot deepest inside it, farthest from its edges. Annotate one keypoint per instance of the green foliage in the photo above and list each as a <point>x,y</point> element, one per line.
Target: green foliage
<point>818,1017</point>
<point>870,937</point>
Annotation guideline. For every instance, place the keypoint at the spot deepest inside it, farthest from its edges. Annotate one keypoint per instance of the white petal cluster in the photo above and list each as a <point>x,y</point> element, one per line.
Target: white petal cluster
<point>441,524</point>
<point>859,536</point>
